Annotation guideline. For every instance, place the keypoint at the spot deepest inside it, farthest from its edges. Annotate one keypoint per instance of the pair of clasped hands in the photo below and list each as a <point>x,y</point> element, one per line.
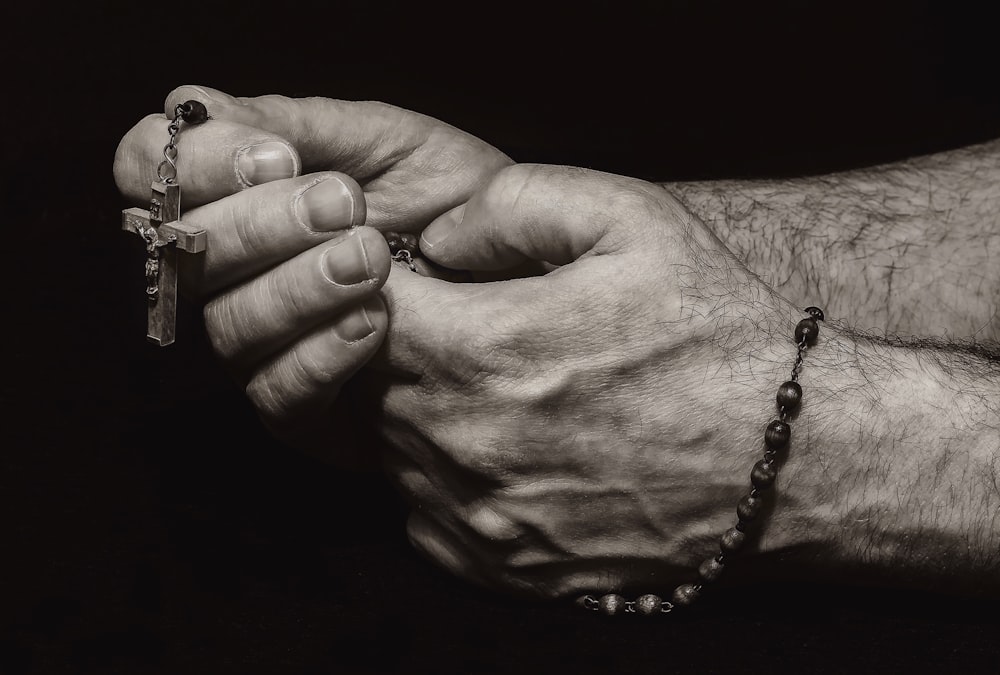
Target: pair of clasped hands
<point>585,421</point>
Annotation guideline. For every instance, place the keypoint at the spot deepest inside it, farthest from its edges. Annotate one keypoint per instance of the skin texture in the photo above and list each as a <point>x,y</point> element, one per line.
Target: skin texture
<point>404,169</point>
<point>551,460</point>
<point>909,248</point>
<point>593,428</point>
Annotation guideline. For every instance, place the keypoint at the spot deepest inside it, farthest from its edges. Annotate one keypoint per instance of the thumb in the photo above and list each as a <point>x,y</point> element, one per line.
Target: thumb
<point>324,131</point>
<point>551,214</point>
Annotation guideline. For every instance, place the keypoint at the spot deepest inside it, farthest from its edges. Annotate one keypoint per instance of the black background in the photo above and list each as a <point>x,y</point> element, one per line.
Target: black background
<point>150,525</point>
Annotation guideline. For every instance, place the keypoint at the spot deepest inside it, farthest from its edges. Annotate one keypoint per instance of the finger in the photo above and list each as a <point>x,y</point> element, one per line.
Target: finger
<point>214,159</point>
<point>253,230</point>
<point>448,327</point>
<point>357,137</point>
<point>413,167</point>
<point>295,390</point>
<point>442,548</point>
<point>420,311</point>
<point>543,213</point>
<point>270,311</point>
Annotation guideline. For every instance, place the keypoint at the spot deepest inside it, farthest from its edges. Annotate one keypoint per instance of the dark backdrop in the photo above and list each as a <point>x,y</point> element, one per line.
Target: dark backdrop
<point>150,525</point>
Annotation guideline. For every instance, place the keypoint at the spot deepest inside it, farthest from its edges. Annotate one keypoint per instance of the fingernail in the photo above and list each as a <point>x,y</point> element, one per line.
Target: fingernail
<point>354,326</point>
<point>327,206</point>
<point>265,162</point>
<point>442,227</point>
<point>346,262</point>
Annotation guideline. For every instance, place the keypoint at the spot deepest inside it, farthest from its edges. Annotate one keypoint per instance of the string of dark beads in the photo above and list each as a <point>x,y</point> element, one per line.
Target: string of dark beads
<point>762,476</point>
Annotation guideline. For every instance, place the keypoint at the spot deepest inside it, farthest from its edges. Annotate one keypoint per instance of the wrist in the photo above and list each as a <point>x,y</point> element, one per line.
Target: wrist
<point>892,467</point>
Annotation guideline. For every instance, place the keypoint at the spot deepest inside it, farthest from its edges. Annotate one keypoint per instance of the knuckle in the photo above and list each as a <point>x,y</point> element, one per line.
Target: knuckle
<point>288,293</point>
<point>510,186</point>
<point>487,522</point>
<point>222,327</point>
<point>290,385</point>
<point>494,463</point>
<point>430,542</point>
<point>243,214</point>
<point>264,397</point>
<point>633,199</point>
<point>545,391</point>
<point>307,369</point>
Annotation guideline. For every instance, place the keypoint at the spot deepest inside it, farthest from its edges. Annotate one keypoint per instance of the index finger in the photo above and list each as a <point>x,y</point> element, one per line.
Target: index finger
<point>214,159</point>
<point>360,138</point>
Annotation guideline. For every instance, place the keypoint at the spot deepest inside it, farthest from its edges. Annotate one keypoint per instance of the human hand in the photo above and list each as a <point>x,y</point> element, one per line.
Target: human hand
<point>412,167</point>
<point>291,303</point>
<point>592,428</point>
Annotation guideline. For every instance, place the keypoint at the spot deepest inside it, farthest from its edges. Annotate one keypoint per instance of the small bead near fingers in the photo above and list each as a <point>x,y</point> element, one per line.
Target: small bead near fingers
<point>404,248</point>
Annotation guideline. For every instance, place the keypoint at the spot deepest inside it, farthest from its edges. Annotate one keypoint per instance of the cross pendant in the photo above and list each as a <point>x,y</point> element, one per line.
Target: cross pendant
<point>161,228</point>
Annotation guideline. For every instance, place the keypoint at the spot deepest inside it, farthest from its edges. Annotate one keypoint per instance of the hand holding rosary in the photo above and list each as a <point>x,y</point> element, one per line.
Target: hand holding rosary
<point>161,228</point>
<point>164,234</point>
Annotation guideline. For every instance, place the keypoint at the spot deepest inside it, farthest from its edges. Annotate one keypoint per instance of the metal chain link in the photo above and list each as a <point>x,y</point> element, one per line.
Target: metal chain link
<point>406,258</point>
<point>797,366</point>
<point>170,149</point>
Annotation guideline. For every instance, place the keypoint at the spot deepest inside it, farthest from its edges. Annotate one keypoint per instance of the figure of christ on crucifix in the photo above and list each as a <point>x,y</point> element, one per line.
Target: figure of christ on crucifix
<point>164,233</point>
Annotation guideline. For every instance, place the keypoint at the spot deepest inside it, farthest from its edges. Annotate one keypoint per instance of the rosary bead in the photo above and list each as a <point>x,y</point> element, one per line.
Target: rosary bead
<point>749,507</point>
<point>711,569</point>
<point>807,330</point>
<point>814,312</point>
<point>410,243</point>
<point>648,604</point>
<point>732,540</point>
<point>789,395</point>
<point>194,112</point>
<point>612,604</point>
<point>763,475</point>
<point>394,241</point>
<point>685,594</point>
<point>777,434</point>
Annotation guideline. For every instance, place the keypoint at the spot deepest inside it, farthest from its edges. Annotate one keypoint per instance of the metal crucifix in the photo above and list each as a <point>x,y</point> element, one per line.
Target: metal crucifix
<point>161,228</point>
<point>164,233</point>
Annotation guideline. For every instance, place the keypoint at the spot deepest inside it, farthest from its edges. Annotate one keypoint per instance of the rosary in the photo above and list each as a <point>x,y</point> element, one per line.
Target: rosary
<point>163,232</point>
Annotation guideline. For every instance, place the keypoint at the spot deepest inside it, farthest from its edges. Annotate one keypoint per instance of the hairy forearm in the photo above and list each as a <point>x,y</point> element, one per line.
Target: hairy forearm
<point>898,477</point>
<point>909,248</point>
